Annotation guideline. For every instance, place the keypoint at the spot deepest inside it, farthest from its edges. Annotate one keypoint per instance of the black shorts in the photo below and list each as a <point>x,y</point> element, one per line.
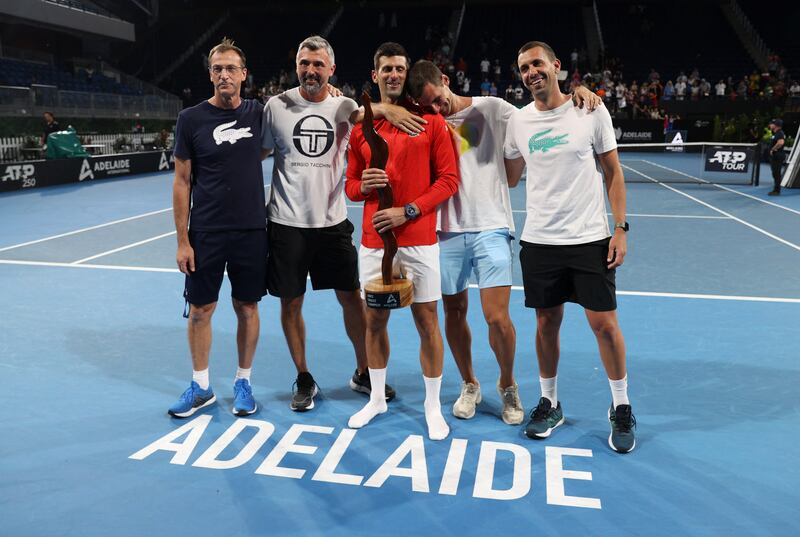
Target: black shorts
<point>245,255</point>
<point>328,254</point>
<point>578,273</point>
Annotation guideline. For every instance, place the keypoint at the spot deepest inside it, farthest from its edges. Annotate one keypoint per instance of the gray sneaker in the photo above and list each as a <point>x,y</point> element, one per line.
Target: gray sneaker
<point>513,413</point>
<point>305,389</point>
<point>464,406</point>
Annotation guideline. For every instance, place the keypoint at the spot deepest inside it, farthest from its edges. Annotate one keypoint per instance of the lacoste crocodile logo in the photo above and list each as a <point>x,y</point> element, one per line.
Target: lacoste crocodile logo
<point>223,134</point>
<point>538,143</point>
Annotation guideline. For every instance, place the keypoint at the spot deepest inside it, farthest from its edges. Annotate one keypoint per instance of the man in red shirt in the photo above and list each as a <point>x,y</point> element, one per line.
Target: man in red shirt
<point>423,172</point>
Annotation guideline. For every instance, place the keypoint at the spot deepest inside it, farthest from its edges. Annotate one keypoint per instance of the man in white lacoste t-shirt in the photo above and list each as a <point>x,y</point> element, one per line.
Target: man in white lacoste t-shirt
<point>567,251</point>
<point>475,232</point>
<point>307,129</point>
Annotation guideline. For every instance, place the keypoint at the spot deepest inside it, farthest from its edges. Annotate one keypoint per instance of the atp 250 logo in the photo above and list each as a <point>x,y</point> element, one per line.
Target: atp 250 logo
<point>20,172</point>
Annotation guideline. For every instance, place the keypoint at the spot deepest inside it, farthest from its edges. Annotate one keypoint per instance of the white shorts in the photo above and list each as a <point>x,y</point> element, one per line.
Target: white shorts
<point>420,264</point>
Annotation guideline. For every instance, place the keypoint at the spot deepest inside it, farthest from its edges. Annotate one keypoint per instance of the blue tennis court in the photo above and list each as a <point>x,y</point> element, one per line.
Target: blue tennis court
<point>94,350</point>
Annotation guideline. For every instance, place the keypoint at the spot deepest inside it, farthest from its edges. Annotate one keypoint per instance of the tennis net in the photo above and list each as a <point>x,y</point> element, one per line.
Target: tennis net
<point>691,162</point>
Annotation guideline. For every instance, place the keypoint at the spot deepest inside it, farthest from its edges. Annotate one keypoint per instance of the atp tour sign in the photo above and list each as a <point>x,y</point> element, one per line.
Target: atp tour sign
<point>729,159</point>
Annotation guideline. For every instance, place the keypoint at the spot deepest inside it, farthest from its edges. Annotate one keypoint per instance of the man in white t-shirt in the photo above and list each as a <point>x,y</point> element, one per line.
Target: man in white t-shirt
<point>475,228</point>
<point>567,251</point>
<point>309,233</point>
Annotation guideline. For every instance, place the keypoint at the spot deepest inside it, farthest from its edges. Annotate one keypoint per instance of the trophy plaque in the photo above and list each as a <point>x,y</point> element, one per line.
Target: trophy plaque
<point>388,291</point>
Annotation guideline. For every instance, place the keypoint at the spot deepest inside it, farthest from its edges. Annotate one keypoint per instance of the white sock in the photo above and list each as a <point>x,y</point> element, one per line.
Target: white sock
<point>550,389</point>
<point>377,400</point>
<point>619,391</point>
<point>437,427</point>
<point>201,378</point>
<point>242,374</point>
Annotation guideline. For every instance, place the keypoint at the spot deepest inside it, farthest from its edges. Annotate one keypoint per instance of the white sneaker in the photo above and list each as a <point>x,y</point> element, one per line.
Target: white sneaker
<point>513,413</point>
<point>464,406</point>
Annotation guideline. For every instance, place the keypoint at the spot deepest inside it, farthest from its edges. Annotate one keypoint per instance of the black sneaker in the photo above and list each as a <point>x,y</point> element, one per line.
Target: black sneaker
<point>304,390</point>
<point>544,419</point>
<point>360,382</point>
<point>774,193</point>
<point>623,423</point>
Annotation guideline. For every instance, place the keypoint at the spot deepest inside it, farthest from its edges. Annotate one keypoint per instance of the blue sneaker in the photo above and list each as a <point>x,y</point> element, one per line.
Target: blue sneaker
<point>192,400</point>
<point>243,402</point>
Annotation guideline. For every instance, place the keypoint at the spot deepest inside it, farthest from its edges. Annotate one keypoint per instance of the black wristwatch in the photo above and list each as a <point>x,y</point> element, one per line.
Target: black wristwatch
<point>622,225</point>
<point>411,212</point>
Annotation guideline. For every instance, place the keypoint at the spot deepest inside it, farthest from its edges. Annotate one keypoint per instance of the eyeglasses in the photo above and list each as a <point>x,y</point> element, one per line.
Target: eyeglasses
<point>232,69</point>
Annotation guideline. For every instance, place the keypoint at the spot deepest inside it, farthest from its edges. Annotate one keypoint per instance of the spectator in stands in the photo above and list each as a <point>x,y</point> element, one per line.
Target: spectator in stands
<point>680,90</point>
<point>720,89</point>
<point>742,87</point>
<point>622,103</point>
<point>50,126</point>
<point>669,91</point>
<point>485,64</point>
<point>509,94</point>
<point>493,90</point>
<point>573,60</point>
<point>498,71</point>
<point>705,88</point>
<point>776,154</point>
<point>519,94</point>
<point>485,87</point>
<point>694,90</point>
<point>794,92</point>
<point>466,86</point>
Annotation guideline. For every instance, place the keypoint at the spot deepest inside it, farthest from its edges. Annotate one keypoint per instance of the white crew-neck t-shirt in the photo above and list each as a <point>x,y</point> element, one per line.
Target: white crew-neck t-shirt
<point>565,191</point>
<point>482,201</point>
<point>310,140</point>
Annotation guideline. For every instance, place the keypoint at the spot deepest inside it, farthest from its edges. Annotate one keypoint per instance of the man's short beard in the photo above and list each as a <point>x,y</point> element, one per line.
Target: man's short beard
<point>312,89</point>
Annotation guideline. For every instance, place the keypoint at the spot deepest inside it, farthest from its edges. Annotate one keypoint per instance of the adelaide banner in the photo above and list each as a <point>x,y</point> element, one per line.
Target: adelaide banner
<point>38,173</point>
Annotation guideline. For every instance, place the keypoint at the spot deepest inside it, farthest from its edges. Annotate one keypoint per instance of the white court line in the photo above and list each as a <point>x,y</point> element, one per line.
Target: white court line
<point>84,229</point>
<point>521,211</point>
<point>90,266</point>
<point>688,295</point>
<point>701,202</point>
<point>514,287</point>
<point>75,232</point>
<point>779,206</point>
<point>121,248</point>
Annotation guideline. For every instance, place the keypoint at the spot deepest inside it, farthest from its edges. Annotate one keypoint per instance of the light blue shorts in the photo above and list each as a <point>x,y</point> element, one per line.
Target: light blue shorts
<point>487,253</point>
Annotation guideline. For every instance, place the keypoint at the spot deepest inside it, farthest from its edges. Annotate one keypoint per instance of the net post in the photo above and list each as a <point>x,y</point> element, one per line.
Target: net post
<point>756,174</point>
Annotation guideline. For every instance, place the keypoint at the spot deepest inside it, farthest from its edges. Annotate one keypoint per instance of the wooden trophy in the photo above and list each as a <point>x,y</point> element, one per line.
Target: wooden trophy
<point>386,292</point>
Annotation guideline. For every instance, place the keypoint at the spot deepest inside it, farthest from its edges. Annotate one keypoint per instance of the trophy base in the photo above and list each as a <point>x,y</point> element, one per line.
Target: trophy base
<point>398,294</point>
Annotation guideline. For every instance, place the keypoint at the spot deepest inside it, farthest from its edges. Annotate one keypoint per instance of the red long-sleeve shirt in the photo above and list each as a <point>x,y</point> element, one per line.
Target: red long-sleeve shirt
<point>422,169</point>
